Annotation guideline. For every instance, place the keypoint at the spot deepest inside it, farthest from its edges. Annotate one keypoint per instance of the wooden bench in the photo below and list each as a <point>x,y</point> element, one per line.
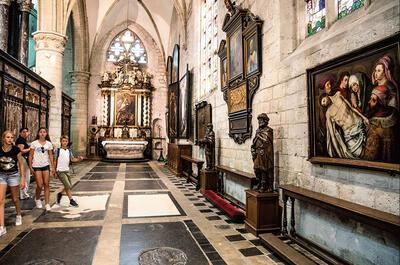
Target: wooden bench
<point>248,177</point>
<point>187,171</point>
<point>343,208</point>
<point>283,250</point>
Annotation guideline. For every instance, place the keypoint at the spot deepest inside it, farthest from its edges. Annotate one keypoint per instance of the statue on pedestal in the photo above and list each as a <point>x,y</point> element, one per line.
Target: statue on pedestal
<point>209,144</point>
<point>262,151</point>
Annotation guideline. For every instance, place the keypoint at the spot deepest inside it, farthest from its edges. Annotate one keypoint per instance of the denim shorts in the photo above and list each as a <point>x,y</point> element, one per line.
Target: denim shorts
<point>10,179</point>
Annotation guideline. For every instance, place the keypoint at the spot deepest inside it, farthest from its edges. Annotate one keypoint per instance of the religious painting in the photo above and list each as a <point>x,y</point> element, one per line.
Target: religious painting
<point>224,74</point>
<point>203,117</point>
<point>237,99</point>
<point>354,108</point>
<point>175,65</point>
<point>235,47</point>
<point>125,108</point>
<point>251,55</point>
<point>184,106</point>
<point>173,110</point>
<point>169,69</point>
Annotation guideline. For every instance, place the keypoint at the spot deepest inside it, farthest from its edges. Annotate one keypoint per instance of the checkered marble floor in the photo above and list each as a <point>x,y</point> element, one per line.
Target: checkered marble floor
<point>111,211</point>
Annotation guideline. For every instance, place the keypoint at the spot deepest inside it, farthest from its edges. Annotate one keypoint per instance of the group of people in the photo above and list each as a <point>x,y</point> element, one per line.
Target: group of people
<point>20,160</point>
<point>359,117</point>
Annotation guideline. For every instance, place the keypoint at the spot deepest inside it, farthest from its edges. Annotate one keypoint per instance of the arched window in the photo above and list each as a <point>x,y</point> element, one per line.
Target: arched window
<point>209,46</point>
<point>315,15</point>
<point>127,45</point>
<point>346,7</point>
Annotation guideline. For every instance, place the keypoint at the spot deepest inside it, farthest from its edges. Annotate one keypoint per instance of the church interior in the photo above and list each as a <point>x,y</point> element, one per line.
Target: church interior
<point>199,132</point>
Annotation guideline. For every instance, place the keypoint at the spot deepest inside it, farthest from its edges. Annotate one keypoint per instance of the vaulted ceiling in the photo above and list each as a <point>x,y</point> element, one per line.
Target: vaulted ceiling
<point>153,15</point>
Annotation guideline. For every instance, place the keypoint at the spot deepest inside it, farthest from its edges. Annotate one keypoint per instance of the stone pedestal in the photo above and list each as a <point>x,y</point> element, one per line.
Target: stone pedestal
<point>49,55</point>
<point>262,212</point>
<point>208,180</point>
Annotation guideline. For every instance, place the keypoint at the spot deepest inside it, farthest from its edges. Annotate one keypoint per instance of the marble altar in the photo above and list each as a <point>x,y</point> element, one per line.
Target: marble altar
<point>124,149</point>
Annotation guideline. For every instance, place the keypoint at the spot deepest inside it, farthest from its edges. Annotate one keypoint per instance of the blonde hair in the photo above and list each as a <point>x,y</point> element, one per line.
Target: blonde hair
<point>3,137</point>
<point>64,137</point>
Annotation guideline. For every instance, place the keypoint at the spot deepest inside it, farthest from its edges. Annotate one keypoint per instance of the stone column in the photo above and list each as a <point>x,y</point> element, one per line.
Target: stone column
<point>4,6</point>
<point>25,7</point>
<point>49,55</point>
<point>79,119</point>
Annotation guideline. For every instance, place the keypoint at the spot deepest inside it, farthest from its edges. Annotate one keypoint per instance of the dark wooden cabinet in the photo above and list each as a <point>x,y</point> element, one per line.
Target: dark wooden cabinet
<point>174,156</point>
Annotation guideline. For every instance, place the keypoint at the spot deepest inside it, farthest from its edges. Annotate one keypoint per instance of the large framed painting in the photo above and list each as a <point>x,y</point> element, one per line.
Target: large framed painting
<point>169,70</point>
<point>175,65</point>
<point>251,55</point>
<point>203,117</point>
<point>184,106</point>
<point>235,53</point>
<point>354,108</point>
<point>173,100</point>
<point>125,108</point>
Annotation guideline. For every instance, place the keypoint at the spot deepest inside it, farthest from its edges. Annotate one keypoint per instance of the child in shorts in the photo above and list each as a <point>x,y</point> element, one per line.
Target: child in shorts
<point>63,158</point>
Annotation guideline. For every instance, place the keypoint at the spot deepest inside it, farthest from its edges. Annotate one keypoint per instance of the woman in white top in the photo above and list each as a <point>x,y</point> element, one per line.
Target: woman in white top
<point>40,164</point>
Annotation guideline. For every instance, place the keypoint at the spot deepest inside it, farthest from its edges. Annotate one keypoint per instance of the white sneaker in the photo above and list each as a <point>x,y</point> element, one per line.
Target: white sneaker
<point>39,204</point>
<point>3,230</point>
<point>47,206</point>
<point>18,220</point>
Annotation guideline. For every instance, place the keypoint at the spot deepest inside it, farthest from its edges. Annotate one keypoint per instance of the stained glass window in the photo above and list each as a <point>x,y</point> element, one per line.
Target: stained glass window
<point>127,45</point>
<point>315,15</point>
<point>31,41</point>
<point>209,46</point>
<point>345,7</point>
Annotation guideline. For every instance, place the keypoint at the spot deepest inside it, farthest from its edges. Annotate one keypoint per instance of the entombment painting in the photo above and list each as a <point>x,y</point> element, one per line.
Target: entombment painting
<point>354,108</point>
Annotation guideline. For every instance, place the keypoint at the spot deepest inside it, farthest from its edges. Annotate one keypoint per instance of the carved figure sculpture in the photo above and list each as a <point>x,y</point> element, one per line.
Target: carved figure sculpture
<point>262,151</point>
<point>209,145</point>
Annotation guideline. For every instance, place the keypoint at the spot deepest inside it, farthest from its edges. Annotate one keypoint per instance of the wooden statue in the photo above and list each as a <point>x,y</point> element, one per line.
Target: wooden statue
<point>209,144</point>
<point>262,151</point>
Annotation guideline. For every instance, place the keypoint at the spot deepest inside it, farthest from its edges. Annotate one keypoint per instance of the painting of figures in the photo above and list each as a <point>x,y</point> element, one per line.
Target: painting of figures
<point>354,108</point>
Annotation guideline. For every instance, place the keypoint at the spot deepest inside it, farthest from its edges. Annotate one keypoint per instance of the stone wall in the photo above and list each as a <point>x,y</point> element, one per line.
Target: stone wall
<point>282,94</point>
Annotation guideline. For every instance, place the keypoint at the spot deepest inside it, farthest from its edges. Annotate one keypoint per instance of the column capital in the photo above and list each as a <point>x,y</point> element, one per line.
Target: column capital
<point>25,5</point>
<point>49,40</point>
<point>5,2</point>
<point>80,77</point>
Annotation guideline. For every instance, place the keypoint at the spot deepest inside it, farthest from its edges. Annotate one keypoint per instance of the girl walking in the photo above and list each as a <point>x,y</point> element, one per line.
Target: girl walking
<point>10,162</point>
<point>40,164</point>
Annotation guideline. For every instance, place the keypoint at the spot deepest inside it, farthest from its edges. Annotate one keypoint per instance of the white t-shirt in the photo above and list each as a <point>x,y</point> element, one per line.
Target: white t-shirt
<point>63,160</point>
<point>41,154</point>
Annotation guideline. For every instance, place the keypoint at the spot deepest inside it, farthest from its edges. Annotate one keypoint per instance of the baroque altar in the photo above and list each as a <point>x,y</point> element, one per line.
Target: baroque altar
<point>125,129</point>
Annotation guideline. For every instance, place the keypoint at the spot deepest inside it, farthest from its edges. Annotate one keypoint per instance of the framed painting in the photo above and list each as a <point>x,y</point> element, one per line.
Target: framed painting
<point>235,53</point>
<point>237,98</point>
<point>125,108</point>
<point>175,65</point>
<point>169,70</point>
<point>184,106</point>
<point>354,108</point>
<point>252,58</point>
<point>203,117</point>
<point>173,100</point>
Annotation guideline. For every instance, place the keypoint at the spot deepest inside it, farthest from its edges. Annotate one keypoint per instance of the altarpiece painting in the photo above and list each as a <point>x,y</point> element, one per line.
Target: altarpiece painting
<point>184,106</point>
<point>354,108</point>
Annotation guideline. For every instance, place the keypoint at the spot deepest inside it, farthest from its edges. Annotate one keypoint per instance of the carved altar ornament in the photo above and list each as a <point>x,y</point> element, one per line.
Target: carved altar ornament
<point>51,41</point>
<point>209,145</point>
<point>262,151</point>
